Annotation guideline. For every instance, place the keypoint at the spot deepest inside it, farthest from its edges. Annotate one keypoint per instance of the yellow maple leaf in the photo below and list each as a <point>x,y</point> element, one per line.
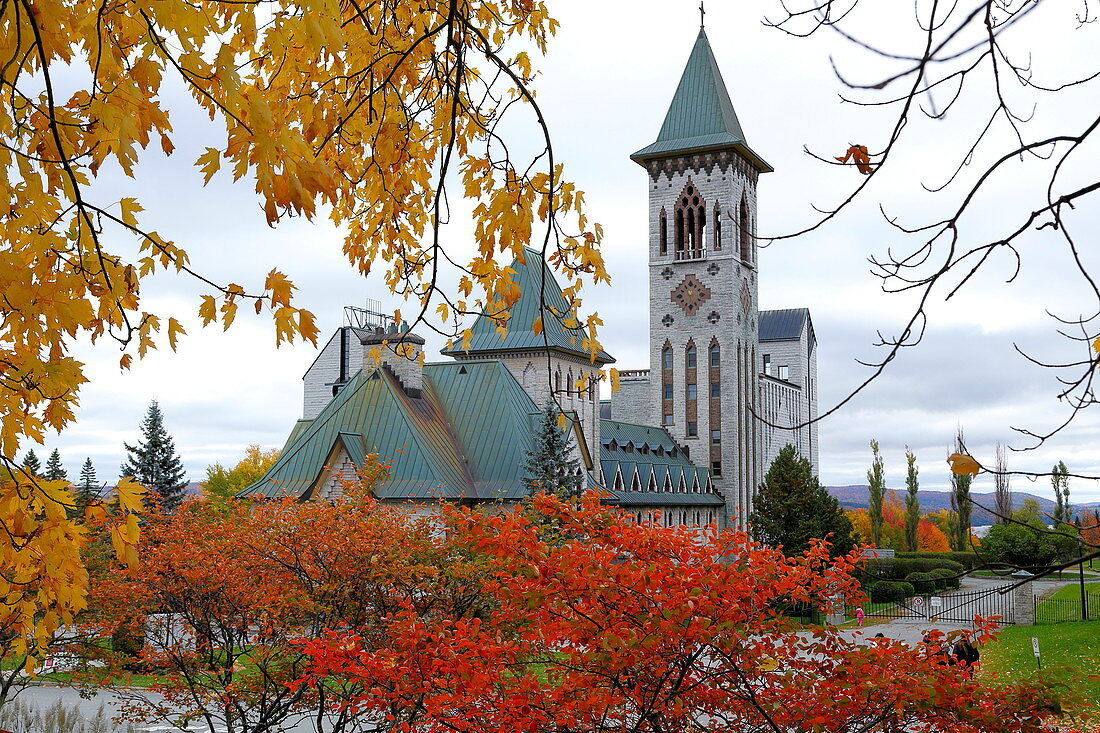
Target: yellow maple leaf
<point>963,465</point>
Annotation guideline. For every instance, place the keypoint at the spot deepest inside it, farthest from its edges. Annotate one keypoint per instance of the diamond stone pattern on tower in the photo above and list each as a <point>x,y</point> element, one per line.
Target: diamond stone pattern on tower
<point>690,294</point>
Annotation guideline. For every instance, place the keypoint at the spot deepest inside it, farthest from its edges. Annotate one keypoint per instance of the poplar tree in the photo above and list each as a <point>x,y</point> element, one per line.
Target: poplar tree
<point>1059,479</point>
<point>912,502</point>
<point>551,466</point>
<point>960,499</point>
<point>876,491</point>
<point>153,462</point>
<point>1002,488</point>
<point>31,464</point>
<point>55,471</point>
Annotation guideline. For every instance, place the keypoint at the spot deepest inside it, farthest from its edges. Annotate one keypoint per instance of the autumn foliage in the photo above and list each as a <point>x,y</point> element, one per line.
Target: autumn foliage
<point>561,617</point>
<point>929,537</point>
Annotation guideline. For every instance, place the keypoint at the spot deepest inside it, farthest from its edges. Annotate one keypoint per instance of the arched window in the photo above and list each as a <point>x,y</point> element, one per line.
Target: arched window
<point>691,221</point>
<point>746,231</point>
<point>690,358</point>
<point>717,227</point>
<point>664,232</point>
<point>666,384</point>
<point>715,355</point>
<point>569,385</point>
<point>529,375</point>
<point>557,380</point>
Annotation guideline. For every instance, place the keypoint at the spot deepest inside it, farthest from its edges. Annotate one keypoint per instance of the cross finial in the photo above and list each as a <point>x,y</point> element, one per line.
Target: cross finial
<point>702,12</point>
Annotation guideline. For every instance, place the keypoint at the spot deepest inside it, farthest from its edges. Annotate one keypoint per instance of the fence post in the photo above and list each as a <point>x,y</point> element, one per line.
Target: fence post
<point>1023,601</point>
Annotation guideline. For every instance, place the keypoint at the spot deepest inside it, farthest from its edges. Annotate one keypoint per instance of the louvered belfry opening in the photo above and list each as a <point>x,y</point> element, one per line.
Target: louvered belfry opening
<point>691,222</point>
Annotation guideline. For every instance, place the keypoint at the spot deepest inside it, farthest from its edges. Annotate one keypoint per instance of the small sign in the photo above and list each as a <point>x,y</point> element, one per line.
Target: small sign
<point>918,601</point>
<point>1035,645</point>
<point>936,602</point>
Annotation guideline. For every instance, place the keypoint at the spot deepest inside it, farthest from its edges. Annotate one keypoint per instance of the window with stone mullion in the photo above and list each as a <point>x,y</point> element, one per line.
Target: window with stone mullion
<point>691,391</point>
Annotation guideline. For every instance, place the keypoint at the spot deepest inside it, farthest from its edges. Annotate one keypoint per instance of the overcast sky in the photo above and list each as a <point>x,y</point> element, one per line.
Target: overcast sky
<point>605,88</point>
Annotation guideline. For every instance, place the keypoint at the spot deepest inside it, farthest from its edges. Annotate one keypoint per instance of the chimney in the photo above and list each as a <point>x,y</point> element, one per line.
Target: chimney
<point>400,351</point>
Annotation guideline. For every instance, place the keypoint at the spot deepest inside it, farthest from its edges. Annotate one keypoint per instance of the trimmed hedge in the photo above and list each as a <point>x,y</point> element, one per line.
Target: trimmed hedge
<point>902,568</point>
<point>888,591</point>
<point>967,559</point>
<point>923,583</point>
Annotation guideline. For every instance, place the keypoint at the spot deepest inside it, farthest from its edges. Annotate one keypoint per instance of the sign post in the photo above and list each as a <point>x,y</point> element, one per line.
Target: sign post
<point>1035,649</point>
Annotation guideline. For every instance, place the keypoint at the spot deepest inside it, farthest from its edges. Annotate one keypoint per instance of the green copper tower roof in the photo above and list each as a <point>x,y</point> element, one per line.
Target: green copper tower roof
<point>701,116</point>
<point>537,287</point>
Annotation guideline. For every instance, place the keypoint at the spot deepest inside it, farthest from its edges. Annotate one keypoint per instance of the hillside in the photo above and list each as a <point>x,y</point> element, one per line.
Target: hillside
<point>855,497</point>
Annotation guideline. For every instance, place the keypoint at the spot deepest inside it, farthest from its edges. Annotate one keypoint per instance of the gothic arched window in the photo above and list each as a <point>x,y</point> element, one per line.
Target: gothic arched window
<point>666,384</point>
<point>664,232</point>
<point>746,231</point>
<point>717,227</point>
<point>691,222</point>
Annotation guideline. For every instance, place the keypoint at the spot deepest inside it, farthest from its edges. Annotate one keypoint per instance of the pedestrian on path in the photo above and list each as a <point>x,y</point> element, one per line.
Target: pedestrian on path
<point>859,616</point>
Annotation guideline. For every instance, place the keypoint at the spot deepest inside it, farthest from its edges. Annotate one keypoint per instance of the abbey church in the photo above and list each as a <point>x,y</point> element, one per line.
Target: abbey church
<point>683,437</point>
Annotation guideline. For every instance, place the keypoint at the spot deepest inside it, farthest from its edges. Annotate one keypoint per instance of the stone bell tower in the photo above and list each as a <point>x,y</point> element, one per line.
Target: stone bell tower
<point>704,316</point>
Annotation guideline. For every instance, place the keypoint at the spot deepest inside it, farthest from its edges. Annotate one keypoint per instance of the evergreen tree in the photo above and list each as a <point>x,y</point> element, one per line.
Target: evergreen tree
<point>876,491</point>
<point>88,488</point>
<point>792,508</point>
<point>912,503</point>
<point>154,462</point>
<point>55,471</point>
<point>960,501</point>
<point>551,466</point>
<point>31,464</point>
<point>1059,479</point>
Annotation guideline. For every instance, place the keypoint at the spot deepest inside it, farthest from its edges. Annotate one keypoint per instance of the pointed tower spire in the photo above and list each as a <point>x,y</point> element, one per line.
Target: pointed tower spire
<point>701,116</point>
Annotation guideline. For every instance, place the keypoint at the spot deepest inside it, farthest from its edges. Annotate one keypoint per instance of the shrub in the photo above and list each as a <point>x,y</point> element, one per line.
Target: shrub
<point>945,578</point>
<point>888,591</point>
<point>22,717</point>
<point>902,568</point>
<point>922,583</point>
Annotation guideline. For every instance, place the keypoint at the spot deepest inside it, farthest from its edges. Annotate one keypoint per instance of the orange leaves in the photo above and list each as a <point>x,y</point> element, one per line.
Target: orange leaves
<point>859,157</point>
<point>963,465</point>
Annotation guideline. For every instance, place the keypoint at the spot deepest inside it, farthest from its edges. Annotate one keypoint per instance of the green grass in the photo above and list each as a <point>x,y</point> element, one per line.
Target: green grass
<point>1070,574</point>
<point>1070,653</point>
<point>1073,592</point>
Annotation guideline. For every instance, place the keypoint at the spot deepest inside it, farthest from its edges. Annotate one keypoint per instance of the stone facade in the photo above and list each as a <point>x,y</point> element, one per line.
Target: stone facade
<point>338,361</point>
<point>718,311</point>
<point>794,363</point>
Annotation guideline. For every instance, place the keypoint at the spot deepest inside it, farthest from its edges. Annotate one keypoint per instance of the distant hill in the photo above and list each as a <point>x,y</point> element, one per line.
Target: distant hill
<point>855,497</point>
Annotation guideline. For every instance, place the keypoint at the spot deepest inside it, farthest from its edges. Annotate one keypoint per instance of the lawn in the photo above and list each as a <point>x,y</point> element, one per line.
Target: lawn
<point>1071,654</point>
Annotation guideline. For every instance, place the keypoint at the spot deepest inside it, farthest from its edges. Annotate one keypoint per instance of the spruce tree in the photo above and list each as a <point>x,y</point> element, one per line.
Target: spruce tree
<point>912,502</point>
<point>153,462</point>
<point>876,491</point>
<point>792,508</point>
<point>551,466</point>
<point>55,471</point>
<point>31,464</point>
<point>88,488</point>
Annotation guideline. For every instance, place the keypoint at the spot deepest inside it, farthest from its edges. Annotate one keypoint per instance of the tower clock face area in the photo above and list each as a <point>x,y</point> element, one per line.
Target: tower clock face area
<point>690,295</point>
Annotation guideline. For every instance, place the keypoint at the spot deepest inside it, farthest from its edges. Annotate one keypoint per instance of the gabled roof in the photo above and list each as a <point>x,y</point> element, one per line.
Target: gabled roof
<point>465,438</point>
<point>701,116</point>
<point>537,287</point>
<point>783,325</point>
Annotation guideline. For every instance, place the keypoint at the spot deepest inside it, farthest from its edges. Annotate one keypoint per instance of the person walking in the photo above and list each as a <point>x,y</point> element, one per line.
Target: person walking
<point>859,616</point>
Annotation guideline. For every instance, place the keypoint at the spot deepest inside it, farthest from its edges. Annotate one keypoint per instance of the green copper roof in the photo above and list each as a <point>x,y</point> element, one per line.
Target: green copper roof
<point>465,438</point>
<point>701,116</point>
<point>537,288</point>
<point>644,465</point>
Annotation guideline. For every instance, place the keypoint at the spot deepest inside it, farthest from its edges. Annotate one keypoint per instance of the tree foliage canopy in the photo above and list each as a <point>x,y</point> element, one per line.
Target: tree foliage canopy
<point>792,509</point>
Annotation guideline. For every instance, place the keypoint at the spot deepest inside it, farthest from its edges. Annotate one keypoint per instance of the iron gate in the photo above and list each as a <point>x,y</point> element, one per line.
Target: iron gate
<point>950,607</point>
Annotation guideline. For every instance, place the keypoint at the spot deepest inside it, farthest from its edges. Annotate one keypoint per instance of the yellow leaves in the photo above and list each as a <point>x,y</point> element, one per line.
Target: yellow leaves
<point>614,375</point>
<point>1096,345</point>
<point>860,157</point>
<point>174,331</point>
<point>130,207</point>
<point>129,494</point>
<point>963,465</point>
<point>208,310</point>
<point>561,420</point>
<point>537,326</point>
<point>125,361</point>
<point>278,288</point>
<point>166,145</point>
<point>209,163</point>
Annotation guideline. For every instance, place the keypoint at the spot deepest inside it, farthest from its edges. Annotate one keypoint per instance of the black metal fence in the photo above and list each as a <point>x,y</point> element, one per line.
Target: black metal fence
<point>957,607</point>
<point>1057,610</point>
